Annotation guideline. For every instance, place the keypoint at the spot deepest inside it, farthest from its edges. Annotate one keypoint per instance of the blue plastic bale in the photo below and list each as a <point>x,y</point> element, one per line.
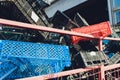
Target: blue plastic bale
<point>33,59</point>
<point>34,67</point>
<point>33,50</point>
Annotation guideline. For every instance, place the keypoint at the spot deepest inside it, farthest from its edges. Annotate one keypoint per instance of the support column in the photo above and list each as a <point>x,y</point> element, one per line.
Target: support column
<point>100,45</point>
<point>102,74</point>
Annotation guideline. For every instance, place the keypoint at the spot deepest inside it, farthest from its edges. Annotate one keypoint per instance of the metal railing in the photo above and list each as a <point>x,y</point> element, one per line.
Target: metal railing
<point>110,72</point>
<point>101,72</point>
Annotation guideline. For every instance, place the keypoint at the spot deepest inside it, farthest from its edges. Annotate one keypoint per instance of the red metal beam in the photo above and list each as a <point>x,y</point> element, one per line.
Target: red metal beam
<point>102,71</point>
<point>113,39</point>
<point>43,28</point>
<point>100,44</point>
<point>113,66</point>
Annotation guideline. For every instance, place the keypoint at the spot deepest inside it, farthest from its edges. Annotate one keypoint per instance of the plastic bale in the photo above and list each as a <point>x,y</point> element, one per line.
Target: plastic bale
<point>6,68</point>
<point>33,59</point>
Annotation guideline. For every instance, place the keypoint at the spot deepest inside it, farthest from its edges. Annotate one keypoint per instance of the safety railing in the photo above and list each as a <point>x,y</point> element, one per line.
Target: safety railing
<point>110,72</point>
